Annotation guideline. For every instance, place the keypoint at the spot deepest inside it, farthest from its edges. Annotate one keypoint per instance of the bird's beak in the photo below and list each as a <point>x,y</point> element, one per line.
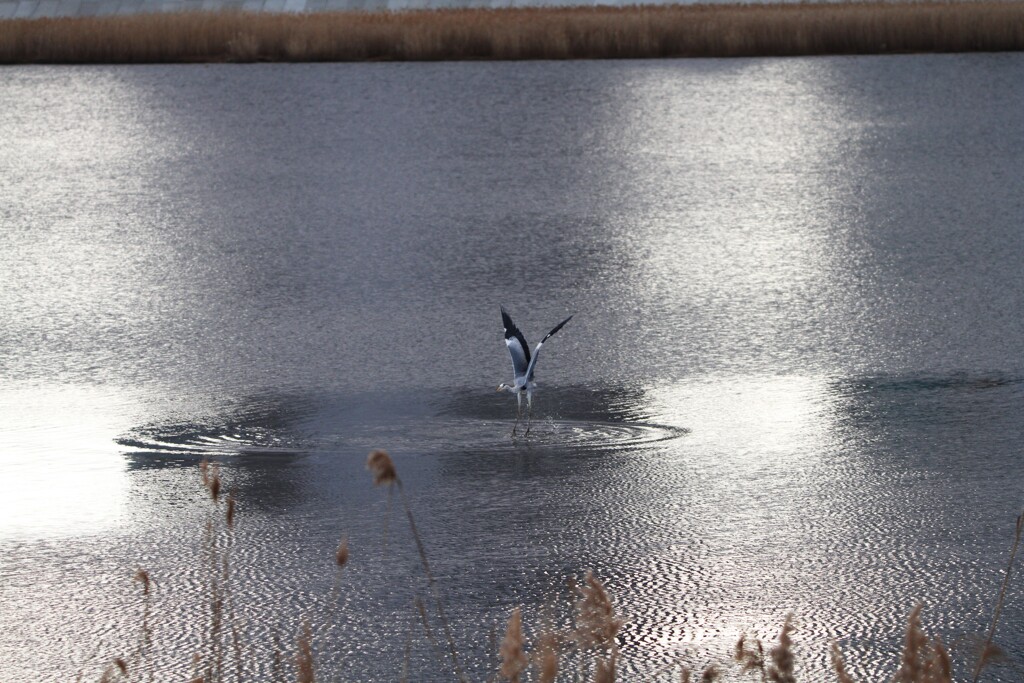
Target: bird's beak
<point>499,388</point>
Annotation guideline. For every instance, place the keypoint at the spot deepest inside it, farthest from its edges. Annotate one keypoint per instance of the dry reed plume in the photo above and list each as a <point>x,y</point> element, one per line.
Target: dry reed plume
<point>781,669</point>
<point>545,656</point>
<point>513,657</point>
<point>604,670</point>
<point>596,622</point>
<point>534,33</point>
<point>750,657</point>
<point>923,660</point>
<point>381,466</point>
<point>838,664</point>
<point>341,554</point>
<point>304,655</point>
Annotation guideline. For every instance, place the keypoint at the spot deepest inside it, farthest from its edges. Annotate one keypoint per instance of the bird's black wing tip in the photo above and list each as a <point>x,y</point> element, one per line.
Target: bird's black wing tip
<point>557,328</point>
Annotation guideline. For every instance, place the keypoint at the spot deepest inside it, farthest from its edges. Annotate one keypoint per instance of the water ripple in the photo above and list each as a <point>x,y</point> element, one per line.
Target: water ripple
<point>427,436</point>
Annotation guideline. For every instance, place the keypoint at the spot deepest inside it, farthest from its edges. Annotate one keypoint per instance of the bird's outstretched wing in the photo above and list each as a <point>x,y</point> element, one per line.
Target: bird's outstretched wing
<point>536,351</point>
<point>517,346</point>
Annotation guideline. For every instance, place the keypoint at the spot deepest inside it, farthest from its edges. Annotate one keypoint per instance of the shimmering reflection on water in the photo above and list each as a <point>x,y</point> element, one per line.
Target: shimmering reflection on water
<point>793,381</point>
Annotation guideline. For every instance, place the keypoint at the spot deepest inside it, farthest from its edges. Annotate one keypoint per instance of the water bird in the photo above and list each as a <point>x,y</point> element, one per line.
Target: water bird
<point>522,366</point>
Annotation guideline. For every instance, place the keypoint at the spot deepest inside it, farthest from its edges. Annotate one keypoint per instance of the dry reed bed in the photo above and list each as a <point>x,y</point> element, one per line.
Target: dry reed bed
<point>592,641</point>
<point>537,33</point>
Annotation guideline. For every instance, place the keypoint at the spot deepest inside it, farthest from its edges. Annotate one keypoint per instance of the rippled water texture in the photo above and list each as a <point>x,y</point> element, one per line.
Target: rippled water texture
<point>793,382</point>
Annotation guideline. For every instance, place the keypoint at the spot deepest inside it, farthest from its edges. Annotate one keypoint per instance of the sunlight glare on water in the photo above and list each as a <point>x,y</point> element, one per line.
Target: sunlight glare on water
<point>45,492</point>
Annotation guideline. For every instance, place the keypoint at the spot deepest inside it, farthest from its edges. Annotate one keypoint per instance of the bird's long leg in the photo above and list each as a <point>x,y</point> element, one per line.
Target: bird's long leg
<point>529,411</point>
<point>519,411</point>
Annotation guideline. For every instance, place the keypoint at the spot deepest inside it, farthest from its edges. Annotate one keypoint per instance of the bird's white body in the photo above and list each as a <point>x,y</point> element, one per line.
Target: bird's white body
<point>520,389</point>
<point>522,366</point>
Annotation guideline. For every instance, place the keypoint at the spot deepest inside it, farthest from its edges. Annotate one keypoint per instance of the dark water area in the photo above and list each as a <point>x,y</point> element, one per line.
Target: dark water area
<point>793,383</point>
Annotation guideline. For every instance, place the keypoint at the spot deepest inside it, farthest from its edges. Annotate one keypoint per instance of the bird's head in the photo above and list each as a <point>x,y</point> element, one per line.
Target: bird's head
<point>504,387</point>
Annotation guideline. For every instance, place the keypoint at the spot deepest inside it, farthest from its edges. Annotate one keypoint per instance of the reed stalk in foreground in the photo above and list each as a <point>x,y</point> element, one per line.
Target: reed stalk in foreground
<point>836,655</point>
<point>721,30</point>
<point>593,635</point>
<point>781,669</point>
<point>513,657</point>
<point>384,473</point>
<point>986,650</point>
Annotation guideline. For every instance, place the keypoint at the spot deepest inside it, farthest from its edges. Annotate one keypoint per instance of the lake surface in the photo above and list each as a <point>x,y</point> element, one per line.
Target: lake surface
<point>794,381</point>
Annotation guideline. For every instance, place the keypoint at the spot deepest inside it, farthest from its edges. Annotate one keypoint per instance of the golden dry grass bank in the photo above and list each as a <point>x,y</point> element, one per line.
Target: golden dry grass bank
<point>572,33</point>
